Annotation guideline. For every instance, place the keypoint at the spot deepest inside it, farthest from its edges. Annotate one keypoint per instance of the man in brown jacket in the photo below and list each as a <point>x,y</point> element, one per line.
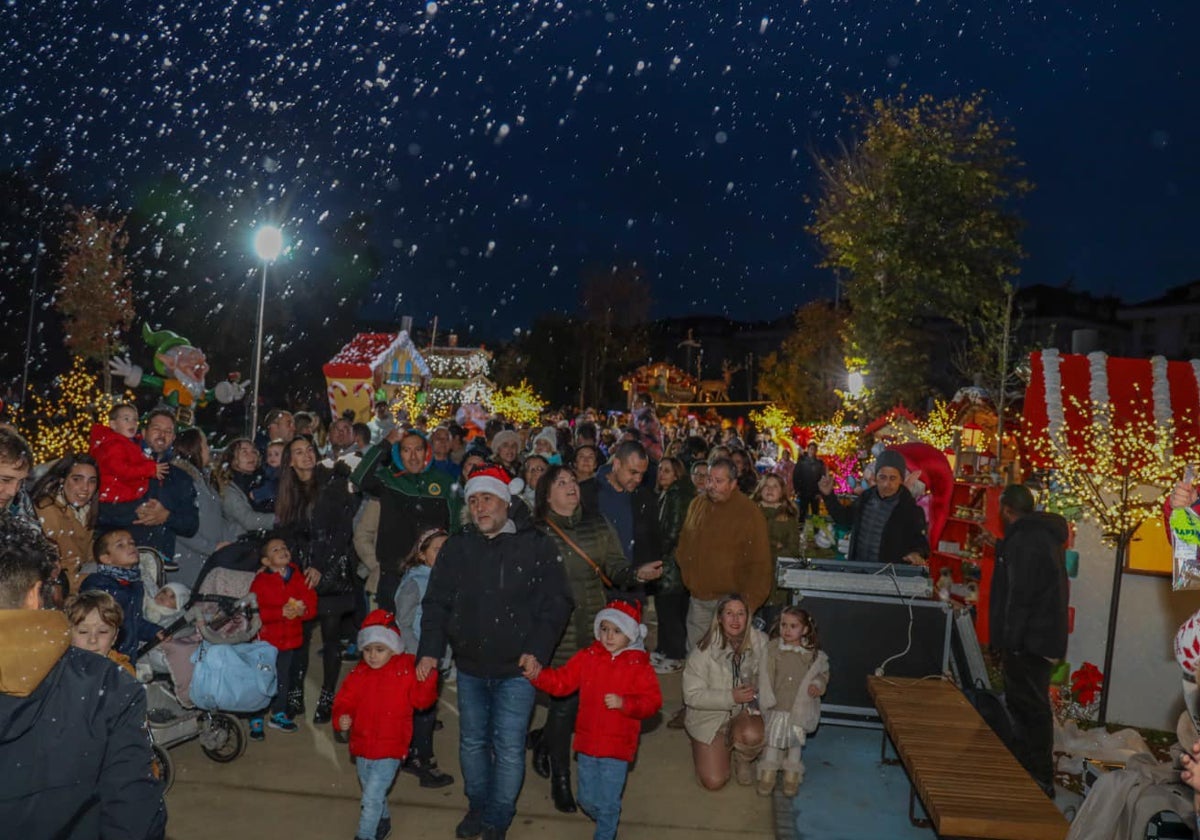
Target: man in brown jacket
<point>723,548</point>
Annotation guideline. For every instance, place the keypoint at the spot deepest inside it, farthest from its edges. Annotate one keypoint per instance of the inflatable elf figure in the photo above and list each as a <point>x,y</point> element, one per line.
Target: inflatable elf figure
<point>180,370</point>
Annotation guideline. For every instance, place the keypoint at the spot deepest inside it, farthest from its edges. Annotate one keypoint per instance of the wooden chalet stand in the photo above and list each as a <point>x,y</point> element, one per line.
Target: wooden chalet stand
<point>974,507</point>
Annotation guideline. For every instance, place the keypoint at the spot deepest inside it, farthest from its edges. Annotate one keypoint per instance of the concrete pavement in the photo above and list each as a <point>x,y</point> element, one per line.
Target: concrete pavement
<point>303,787</point>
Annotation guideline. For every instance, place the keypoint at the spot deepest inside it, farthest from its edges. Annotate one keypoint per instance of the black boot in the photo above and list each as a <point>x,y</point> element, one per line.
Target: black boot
<point>541,758</point>
<point>324,712</point>
<point>560,791</point>
<point>426,769</point>
<point>295,702</point>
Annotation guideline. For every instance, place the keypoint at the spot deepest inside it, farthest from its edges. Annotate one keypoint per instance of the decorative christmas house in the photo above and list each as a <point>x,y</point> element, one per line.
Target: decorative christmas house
<point>374,366</point>
<point>458,375</point>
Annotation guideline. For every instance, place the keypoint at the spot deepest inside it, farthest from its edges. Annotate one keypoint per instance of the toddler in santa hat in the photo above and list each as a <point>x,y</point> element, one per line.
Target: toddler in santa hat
<point>376,704</point>
<point>617,690</point>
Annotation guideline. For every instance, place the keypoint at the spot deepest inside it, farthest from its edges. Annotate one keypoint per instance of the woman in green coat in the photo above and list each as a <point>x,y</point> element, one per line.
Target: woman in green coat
<point>594,562</point>
<point>783,530</point>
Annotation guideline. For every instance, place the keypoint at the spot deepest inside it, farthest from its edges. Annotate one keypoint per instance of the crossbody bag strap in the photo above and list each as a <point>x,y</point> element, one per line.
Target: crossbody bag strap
<point>595,567</point>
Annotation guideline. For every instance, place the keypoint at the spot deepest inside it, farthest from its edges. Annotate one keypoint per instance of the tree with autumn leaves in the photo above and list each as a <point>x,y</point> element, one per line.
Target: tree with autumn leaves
<point>94,293</point>
<point>916,215</point>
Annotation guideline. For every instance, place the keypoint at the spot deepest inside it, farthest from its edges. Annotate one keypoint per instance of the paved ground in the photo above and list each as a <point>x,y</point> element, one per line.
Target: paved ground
<point>303,787</point>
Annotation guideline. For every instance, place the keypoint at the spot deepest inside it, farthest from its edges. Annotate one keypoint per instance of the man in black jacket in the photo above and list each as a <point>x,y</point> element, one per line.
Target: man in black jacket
<point>1029,623</point>
<point>619,493</point>
<point>806,480</point>
<point>499,595</point>
<point>886,525</point>
<point>168,510</point>
<point>73,741</point>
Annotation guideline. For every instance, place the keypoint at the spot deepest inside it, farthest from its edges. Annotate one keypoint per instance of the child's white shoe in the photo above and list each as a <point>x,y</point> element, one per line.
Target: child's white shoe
<point>766,782</point>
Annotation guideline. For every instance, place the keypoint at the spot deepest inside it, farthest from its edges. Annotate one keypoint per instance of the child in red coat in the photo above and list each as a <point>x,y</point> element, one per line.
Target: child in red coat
<point>376,704</point>
<point>284,600</point>
<point>617,690</point>
<point>125,470</point>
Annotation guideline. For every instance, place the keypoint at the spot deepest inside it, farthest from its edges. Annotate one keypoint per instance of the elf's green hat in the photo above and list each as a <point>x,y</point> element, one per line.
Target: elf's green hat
<point>161,341</point>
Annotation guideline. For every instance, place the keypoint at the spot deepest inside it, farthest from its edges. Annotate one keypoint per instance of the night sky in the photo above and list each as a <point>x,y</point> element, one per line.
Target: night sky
<point>501,147</point>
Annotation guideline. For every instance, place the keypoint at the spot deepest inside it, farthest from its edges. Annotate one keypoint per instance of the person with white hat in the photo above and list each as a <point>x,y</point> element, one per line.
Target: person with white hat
<point>498,594</point>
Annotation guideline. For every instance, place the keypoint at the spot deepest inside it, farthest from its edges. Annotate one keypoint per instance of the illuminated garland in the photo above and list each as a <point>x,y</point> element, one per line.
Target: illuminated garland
<point>777,423</point>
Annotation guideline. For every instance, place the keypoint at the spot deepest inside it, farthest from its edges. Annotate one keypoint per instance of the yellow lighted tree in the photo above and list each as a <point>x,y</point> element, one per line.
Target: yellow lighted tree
<point>937,429</point>
<point>774,421</point>
<point>518,403</point>
<point>57,423</point>
<point>1115,472</point>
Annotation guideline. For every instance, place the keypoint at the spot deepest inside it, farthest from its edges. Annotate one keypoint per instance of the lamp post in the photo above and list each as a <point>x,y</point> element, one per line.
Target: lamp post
<point>268,242</point>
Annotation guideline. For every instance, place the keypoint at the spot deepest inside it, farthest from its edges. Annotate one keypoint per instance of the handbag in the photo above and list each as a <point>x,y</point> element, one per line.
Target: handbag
<point>233,678</point>
<point>608,584</point>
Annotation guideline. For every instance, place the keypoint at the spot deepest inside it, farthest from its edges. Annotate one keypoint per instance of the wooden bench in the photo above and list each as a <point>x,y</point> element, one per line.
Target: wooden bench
<point>968,781</point>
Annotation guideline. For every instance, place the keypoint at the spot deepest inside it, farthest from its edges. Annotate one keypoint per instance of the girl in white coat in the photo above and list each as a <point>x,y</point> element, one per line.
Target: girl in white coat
<point>795,676</point>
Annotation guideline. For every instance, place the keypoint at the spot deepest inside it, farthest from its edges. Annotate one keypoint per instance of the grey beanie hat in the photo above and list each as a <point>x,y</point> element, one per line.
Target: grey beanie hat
<point>891,458</point>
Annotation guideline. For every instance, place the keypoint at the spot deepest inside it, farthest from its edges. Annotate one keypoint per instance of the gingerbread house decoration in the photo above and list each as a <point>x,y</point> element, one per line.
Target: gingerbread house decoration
<point>371,366</point>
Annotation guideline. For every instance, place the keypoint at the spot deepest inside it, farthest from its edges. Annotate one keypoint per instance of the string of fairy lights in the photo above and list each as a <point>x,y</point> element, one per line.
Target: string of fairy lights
<point>59,422</point>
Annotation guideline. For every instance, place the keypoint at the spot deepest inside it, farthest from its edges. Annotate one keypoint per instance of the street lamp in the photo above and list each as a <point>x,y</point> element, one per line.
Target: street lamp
<point>268,243</point>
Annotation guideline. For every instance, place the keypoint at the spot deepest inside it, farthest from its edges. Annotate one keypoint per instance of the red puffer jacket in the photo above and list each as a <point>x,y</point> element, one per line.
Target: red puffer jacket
<point>273,593</point>
<point>380,703</point>
<point>602,732</point>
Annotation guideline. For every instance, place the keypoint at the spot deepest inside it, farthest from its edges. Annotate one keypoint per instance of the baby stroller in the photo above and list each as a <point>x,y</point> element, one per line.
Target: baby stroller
<point>221,611</point>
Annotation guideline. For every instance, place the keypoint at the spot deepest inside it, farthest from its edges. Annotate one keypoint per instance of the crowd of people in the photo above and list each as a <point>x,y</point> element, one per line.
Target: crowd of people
<point>513,561</point>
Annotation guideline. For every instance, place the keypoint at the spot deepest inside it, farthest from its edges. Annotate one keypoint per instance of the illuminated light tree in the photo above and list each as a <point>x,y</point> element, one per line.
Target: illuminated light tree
<point>1115,473</point>
<point>58,423</point>
<point>518,403</point>
<point>777,423</point>
<point>938,428</point>
<point>94,293</point>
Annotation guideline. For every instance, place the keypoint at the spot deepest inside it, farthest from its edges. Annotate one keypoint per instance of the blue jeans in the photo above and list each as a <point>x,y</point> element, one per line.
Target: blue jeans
<point>601,783</point>
<point>375,776</point>
<point>493,717</point>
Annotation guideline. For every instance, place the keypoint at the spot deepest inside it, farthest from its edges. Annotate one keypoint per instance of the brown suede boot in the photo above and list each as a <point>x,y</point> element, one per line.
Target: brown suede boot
<point>791,782</point>
<point>743,768</point>
<point>766,782</point>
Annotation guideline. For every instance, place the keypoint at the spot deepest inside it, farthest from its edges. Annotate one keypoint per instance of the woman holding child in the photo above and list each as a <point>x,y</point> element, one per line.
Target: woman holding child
<point>315,511</point>
<point>592,558</point>
<point>720,693</point>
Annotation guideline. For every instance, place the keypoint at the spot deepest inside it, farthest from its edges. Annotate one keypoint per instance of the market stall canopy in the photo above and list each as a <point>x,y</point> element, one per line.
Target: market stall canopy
<point>1069,395</point>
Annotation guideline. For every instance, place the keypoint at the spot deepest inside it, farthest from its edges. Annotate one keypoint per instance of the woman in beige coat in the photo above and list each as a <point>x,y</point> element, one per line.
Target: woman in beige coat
<point>65,501</point>
<point>720,694</point>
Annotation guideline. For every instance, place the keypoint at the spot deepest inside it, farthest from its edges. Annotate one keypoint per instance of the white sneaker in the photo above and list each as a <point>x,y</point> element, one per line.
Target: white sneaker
<point>667,666</point>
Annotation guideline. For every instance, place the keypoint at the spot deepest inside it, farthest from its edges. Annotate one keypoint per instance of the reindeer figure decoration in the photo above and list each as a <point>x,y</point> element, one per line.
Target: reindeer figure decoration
<point>717,390</point>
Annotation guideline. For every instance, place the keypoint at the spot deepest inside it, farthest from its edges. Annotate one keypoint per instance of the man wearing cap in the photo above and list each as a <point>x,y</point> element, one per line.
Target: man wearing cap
<point>412,499</point>
<point>1029,623</point>
<point>886,525</point>
<point>499,595</point>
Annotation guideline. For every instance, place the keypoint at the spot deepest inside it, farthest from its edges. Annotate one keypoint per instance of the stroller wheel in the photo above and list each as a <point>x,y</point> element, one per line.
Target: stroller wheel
<point>162,767</point>
<point>223,738</point>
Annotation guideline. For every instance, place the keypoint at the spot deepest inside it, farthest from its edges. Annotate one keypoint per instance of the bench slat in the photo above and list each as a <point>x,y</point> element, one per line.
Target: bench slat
<point>970,784</point>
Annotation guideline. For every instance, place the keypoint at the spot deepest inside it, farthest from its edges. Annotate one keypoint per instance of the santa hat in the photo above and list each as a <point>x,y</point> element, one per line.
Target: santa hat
<point>379,628</point>
<point>1187,645</point>
<point>493,480</point>
<point>627,616</point>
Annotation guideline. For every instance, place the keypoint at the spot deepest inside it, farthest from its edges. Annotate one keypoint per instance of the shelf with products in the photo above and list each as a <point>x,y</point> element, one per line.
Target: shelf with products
<point>961,563</point>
